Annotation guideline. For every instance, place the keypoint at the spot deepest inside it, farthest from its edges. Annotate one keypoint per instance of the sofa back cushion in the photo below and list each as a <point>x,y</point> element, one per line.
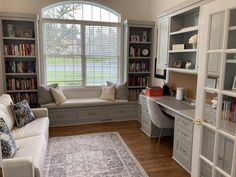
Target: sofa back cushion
<point>5,110</point>
<point>8,144</point>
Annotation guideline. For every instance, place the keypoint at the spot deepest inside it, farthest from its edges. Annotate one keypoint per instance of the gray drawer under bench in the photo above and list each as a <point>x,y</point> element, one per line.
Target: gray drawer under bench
<point>93,114</point>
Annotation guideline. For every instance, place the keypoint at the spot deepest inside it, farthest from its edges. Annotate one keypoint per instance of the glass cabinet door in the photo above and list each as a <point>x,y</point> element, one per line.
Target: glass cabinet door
<point>215,124</point>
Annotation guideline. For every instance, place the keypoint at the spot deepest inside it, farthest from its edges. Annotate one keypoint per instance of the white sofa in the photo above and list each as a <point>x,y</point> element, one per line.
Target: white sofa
<point>85,106</point>
<point>31,141</point>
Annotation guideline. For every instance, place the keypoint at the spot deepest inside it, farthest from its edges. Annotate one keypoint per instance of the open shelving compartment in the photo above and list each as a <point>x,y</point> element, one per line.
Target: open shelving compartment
<point>182,27</point>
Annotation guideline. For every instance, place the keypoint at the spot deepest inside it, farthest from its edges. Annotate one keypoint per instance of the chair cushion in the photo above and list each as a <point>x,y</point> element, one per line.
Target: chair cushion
<point>22,113</point>
<point>121,90</point>
<point>37,127</point>
<point>44,93</point>
<point>8,144</point>
<point>5,110</point>
<point>58,95</point>
<point>108,92</point>
<point>34,147</point>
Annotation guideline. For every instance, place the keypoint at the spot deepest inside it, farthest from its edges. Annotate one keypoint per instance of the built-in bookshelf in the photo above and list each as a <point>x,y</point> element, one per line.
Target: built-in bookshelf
<point>138,56</point>
<point>20,56</point>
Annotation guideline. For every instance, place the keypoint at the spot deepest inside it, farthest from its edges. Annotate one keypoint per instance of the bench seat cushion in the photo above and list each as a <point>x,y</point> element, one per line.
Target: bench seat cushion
<point>84,102</point>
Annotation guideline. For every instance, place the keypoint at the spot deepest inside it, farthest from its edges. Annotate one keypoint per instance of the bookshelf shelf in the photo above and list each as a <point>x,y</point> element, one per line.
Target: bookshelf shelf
<point>143,58</point>
<point>183,51</point>
<point>20,53</point>
<point>229,93</point>
<point>139,72</point>
<point>19,38</point>
<point>182,70</point>
<point>131,42</point>
<point>232,28</point>
<point>136,87</point>
<point>231,61</point>
<point>185,30</point>
<point>15,91</point>
<point>18,56</point>
<point>21,74</point>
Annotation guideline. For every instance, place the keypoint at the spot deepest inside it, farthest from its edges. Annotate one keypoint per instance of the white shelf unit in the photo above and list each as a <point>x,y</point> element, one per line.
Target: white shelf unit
<point>182,27</point>
<point>138,65</point>
<point>19,46</point>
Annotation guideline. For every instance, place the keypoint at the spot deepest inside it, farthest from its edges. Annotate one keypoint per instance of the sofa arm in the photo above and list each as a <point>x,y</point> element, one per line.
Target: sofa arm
<point>40,112</point>
<point>20,167</point>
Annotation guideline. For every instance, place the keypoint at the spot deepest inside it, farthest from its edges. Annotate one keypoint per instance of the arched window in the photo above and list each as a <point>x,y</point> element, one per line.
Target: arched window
<point>81,44</point>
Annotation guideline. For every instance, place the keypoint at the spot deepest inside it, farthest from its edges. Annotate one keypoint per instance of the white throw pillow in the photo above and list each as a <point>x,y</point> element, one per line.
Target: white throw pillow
<point>58,95</point>
<point>108,92</point>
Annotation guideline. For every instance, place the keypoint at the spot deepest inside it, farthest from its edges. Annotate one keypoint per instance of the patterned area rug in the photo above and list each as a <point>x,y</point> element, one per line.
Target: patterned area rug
<point>92,155</point>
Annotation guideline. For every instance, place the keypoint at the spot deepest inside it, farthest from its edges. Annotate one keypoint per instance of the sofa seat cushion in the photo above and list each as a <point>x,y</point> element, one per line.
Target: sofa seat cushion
<point>37,127</point>
<point>83,102</point>
<point>35,147</point>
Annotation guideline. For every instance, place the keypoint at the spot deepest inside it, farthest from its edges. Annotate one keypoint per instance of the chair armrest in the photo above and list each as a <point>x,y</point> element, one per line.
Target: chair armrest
<point>40,112</point>
<point>20,167</point>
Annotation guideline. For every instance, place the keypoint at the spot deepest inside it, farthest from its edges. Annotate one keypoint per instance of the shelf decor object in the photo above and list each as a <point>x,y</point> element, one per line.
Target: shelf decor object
<point>138,56</point>
<point>19,45</point>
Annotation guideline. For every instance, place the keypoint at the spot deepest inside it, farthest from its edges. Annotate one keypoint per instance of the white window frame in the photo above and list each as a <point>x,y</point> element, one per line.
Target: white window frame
<point>82,23</point>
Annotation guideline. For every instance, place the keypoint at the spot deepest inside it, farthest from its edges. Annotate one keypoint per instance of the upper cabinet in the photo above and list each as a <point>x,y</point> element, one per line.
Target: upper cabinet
<point>163,37</point>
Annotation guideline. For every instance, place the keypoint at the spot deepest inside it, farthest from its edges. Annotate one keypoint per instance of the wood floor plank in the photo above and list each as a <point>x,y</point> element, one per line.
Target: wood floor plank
<point>156,163</point>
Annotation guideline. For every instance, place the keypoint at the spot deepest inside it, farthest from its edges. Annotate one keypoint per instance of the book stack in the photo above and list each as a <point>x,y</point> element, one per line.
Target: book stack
<point>19,49</point>
<point>138,80</point>
<point>21,84</point>
<point>139,67</point>
<point>134,94</point>
<point>20,67</point>
<point>229,110</point>
<point>31,98</point>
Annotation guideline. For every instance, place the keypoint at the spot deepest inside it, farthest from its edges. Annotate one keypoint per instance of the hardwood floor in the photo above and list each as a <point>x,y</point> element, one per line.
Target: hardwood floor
<point>156,163</point>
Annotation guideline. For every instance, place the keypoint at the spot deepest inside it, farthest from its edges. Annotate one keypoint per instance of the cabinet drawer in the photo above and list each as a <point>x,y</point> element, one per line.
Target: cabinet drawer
<point>184,136</point>
<point>92,114</point>
<point>182,153</point>
<point>121,111</point>
<point>62,115</point>
<point>184,123</point>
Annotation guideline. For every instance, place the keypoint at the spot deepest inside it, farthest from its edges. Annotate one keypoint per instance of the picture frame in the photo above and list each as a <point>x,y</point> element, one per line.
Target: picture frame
<point>234,84</point>
<point>27,33</point>
<point>157,71</point>
<point>211,83</point>
<point>134,38</point>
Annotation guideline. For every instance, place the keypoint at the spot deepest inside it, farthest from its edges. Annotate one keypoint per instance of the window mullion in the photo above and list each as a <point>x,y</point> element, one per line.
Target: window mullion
<point>83,57</point>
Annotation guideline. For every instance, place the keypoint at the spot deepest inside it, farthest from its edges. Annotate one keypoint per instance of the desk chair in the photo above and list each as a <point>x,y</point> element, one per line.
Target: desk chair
<point>158,118</point>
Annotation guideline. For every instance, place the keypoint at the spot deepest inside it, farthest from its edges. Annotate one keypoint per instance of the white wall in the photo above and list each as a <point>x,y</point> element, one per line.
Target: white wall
<point>147,10</point>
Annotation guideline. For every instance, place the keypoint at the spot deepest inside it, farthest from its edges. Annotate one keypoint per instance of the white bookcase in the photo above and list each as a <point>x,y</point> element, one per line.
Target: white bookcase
<point>19,46</point>
<point>138,55</point>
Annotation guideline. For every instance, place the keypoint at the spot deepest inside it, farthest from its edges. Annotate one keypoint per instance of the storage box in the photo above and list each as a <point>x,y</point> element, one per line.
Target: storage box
<point>178,47</point>
<point>154,91</point>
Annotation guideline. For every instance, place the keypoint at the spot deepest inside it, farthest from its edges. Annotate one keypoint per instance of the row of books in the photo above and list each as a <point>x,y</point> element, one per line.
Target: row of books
<point>21,84</point>
<point>229,110</point>
<point>139,67</point>
<point>19,49</point>
<point>31,98</point>
<point>20,67</point>
<point>138,81</point>
<point>134,94</point>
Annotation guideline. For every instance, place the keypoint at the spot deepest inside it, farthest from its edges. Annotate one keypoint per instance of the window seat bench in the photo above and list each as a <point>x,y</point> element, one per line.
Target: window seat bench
<point>91,110</point>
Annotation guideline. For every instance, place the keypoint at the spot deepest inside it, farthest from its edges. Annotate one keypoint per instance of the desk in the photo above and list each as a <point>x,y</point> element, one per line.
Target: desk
<point>184,114</point>
<point>170,104</point>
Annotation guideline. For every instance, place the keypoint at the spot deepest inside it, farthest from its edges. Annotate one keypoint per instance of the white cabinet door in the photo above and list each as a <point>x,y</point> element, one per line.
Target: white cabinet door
<point>214,140</point>
<point>163,42</point>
